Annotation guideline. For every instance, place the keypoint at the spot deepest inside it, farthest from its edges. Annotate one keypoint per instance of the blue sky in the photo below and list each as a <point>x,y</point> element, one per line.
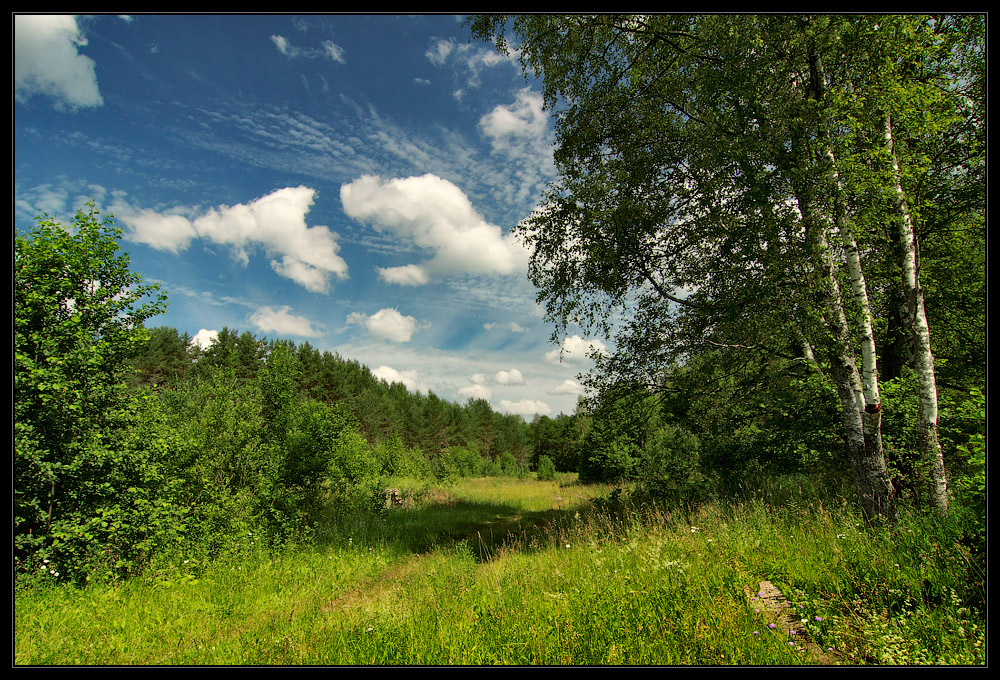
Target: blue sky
<point>350,181</point>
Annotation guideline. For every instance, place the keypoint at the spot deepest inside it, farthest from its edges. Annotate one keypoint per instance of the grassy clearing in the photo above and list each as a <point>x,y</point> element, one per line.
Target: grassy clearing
<point>506,571</point>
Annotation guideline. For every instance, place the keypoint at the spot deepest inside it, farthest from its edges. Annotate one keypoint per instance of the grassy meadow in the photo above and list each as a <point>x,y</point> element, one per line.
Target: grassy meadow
<point>516,571</point>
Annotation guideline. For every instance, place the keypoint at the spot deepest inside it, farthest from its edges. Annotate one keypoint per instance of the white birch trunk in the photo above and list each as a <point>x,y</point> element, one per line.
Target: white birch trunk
<point>922,360</point>
<point>869,403</point>
<point>876,494</point>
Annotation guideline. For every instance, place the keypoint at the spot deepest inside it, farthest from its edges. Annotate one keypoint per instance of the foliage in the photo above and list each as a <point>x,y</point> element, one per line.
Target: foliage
<point>641,587</point>
<point>725,189</point>
<point>78,314</point>
<point>545,471</point>
<point>670,466</point>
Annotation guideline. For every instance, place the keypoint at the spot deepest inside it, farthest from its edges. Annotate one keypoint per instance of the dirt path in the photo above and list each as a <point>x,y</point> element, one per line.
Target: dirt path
<point>777,610</point>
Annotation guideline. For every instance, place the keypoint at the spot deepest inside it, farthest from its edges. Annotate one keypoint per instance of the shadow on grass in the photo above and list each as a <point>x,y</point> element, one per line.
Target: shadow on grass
<point>484,528</point>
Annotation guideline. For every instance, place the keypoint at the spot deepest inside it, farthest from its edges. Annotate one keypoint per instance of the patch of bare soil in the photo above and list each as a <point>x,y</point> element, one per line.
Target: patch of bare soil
<point>776,609</point>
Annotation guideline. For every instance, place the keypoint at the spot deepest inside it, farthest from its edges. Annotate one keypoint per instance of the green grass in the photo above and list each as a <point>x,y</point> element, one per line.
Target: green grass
<point>506,571</point>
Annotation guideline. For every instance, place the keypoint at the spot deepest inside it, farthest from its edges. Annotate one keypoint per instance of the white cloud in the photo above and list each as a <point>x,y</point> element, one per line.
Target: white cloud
<point>520,128</point>
<point>575,349</point>
<point>172,233</point>
<point>527,407</point>
<point>511,377</point>
<point>477,379</point>
<point>439,51</point>
<point>408,275</point>
<point>476,392</point>
<point>519,133</point>
<point>411,379</point>
<point>47,62</point>
<point>468,57</point>
<point>387,324</point>
<point>282,322</point>
<point>205,338</point>
<point>329,49</point>
<point>567,387</point>
<point>277,222</point>
<point>513,326</point>
<point>333,51</point>
<point>434,214</point>
<point>281,43</point>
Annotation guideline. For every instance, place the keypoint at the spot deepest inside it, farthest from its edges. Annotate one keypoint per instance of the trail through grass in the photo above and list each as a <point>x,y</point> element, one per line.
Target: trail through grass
<point>506,571</point>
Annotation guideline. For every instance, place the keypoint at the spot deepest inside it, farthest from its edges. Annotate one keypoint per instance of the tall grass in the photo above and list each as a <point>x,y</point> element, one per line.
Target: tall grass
<point>507,571</point>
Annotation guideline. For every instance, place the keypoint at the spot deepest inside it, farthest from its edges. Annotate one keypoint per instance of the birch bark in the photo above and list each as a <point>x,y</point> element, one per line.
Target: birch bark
<point>915,318</point>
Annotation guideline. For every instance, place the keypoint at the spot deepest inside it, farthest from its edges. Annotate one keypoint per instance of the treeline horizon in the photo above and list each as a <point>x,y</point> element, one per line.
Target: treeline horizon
<point>383,409</point>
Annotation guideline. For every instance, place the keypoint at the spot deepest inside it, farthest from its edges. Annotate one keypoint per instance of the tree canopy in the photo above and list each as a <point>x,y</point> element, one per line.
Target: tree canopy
<point>729,184</point>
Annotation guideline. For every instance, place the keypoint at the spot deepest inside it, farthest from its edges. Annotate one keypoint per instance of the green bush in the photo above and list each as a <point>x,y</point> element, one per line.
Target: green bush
<point>670,469</point>
<point>78,320</point>
<point>546,471</point>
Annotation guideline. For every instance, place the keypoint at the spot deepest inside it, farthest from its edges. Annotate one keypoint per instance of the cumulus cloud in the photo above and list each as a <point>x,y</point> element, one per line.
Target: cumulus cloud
<point>511,377</point>
<point>519,128</point>
<point>519,132</point>
<point>567,387</point>
<point>575,349</point>
<point>205,338</point>
<point>410,379</point>
<point>408,275</point>
<point>476,392</point>
<point>387,324</point>
<point>434,214</point>
<point>172,233</point>
<point>276,222</point>
<point>47,61</point>
<point>281,321</point>
<point>527,407</point>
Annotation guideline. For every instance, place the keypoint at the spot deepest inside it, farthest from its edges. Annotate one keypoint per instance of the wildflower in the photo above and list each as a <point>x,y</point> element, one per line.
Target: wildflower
<point>819,618</point>
<point>841,535</point>
<point>694,530</point>
<point>756,632</point>
<point>756,611</point>
<point>772,626</point>
<point>567,545</point>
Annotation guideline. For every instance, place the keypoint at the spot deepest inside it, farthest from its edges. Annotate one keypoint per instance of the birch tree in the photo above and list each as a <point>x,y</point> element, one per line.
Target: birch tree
<point>683,143</point>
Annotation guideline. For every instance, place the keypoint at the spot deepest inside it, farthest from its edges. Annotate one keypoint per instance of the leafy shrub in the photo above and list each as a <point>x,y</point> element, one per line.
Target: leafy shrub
<point>670,469</point>
<point>546,471</point>
<point>78,319</point>
<point>507,465</point>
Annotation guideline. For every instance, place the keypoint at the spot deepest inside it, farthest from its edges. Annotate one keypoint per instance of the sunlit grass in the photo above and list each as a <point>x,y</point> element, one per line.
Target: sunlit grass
<point>498,571</point>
